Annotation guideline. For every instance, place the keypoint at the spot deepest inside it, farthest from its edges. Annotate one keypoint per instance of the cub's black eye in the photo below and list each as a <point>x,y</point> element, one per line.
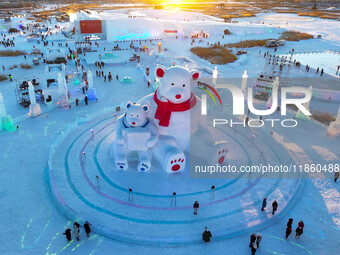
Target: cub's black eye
<point>172,84</point>
<point>131,115</point>
<point>183,85</point>
<point>137,116</point>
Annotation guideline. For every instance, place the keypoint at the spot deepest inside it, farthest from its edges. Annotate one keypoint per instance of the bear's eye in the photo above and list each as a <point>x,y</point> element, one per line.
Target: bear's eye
<point>172,84</point>
<point>131,115</point>
<point>183,85</point>
<point>137,116</point>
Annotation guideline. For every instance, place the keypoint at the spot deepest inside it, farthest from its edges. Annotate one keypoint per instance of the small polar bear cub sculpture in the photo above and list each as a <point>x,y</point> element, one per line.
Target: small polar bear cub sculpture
<point>134,134</point>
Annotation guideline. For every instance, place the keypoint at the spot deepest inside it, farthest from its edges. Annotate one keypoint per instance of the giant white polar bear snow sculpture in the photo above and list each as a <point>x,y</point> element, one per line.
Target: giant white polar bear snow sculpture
<point>177,114</point>
<point>134,133</point>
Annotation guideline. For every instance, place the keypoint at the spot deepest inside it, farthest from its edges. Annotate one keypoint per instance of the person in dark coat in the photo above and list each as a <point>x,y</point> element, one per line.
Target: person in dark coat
<point>86,100</point>
<point>67,233</point>
<point>298,232</point>
<point>206,235</point>
<point>264,204</point>
<point>289,223</point>
<point>252,239</point>
<point>274,205</point>
<point>196,206</point>
<point>288,232</point>
<point>253,249</point>
<point>87,228</point>
<point>336,176</point>
<point>117,77</point>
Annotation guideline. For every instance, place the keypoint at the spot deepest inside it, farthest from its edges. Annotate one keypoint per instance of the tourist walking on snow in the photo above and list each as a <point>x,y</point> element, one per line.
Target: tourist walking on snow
<point>206,235</point>
<point>76,230</point>
<point>336,176</point>
<point>299,229</point>
<point>289,227</point>
<point>321,73</point>
<point>289,223</point>
<point>288,232</point>
<point>258,240</point>
<point>67,233</point>
<point>264,203</point>
<point>274,205</point>
<point>196,206</point>
<point>298,232</point>
<point>252,239</point>
<point>253,249</point>
<point>301,224</point>
<point>87,228</point>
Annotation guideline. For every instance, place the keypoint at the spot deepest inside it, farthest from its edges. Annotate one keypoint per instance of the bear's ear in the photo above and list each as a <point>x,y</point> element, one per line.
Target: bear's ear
<point>146,108</point>
<point>160,71</point>
<point>128,104</point>
<point>195,74</point>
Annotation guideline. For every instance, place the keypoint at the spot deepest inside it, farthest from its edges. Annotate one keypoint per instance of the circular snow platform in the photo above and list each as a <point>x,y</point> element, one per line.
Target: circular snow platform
<point>89,187</point>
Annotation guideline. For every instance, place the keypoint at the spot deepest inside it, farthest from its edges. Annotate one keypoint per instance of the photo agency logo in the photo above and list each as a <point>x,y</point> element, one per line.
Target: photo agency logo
<point>296,97</point>
<point>237,123</point>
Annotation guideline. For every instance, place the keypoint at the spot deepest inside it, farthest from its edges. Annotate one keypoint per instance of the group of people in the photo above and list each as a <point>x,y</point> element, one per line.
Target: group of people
<point>106,77</point>
<point>7,43</point>
<point>274,205</point>
<point>317,71</point>
<point>76,231</point>
<point>99,64</point>
<point>298,231</point>
<point>255,242</point>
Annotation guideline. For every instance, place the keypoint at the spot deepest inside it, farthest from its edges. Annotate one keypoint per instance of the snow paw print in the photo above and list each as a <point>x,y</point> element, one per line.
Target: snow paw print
<point>144,166</point>
<point>122,164</point>
<point>176,162</point>
<point>221,153</point>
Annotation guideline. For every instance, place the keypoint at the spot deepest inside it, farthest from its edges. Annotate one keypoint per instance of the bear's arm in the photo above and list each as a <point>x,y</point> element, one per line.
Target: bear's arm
<point>154,135</point>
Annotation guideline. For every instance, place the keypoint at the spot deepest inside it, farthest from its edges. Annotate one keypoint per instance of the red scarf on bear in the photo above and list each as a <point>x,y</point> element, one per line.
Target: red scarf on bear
<point>164,109</point>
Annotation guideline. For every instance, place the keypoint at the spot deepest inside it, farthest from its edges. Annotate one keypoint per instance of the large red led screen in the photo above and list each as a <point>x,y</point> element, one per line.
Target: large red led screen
<point>91,26</point>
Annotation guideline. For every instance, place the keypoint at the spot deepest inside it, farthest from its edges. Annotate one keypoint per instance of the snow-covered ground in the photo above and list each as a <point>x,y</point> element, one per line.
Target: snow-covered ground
<point>36,209</point>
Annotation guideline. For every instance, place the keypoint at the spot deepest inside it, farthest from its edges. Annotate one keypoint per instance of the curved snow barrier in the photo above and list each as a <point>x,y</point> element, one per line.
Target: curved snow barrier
<point>90,188</point>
